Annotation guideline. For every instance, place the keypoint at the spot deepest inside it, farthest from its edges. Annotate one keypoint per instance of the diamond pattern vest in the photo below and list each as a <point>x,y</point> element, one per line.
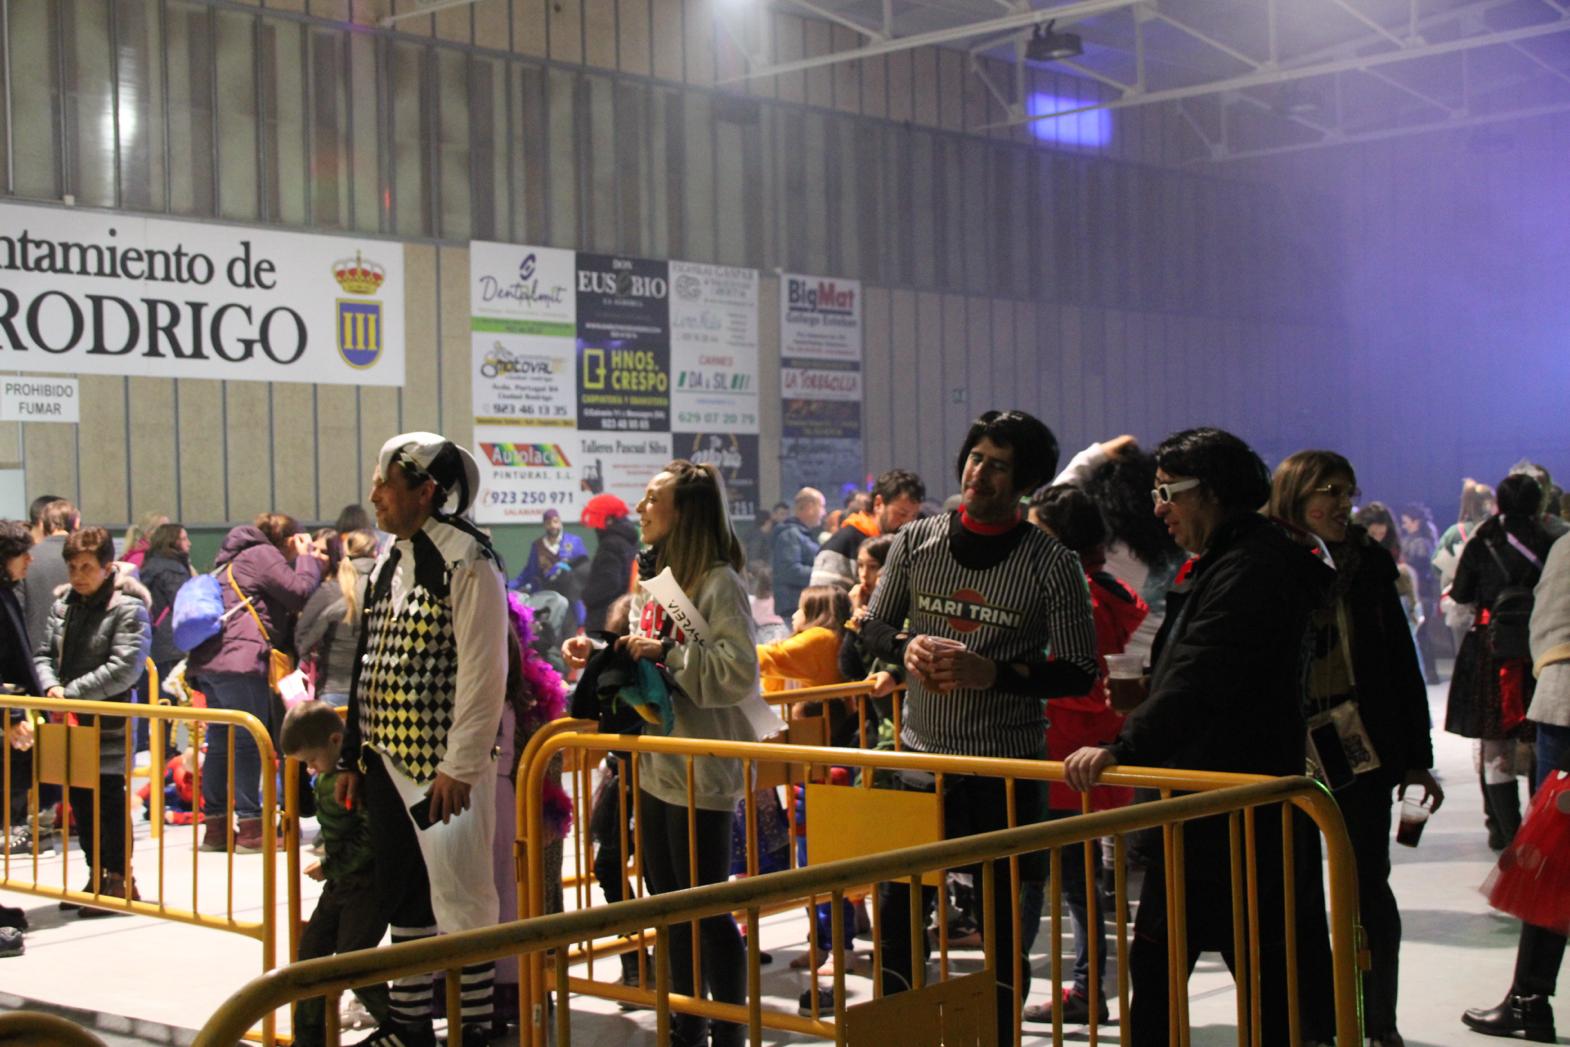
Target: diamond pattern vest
<point>409,676</point>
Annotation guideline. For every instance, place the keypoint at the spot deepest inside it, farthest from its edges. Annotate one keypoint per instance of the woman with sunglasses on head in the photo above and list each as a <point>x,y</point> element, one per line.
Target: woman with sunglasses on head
<point>1364,681</point>
<point>687,529</point>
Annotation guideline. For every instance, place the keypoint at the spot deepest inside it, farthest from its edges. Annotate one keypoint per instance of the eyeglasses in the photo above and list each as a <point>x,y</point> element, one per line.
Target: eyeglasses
<point>1338,492</point>
<point>1161,494</point>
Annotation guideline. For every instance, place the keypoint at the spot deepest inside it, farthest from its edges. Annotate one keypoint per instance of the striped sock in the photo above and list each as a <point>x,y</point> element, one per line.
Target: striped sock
<point>409,1000</point>
<point>479,994</point>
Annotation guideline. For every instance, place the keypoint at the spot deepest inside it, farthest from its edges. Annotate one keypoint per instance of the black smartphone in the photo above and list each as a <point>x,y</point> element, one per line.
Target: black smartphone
<point>1331,755</point>
<point>421,813</point>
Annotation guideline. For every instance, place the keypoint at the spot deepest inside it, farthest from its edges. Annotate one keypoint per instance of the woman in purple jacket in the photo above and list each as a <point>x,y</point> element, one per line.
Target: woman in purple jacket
<point>271,561</point>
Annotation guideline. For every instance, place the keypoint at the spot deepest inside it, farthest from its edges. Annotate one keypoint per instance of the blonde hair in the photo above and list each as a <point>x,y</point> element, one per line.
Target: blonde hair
<point>1297,476</point>
<point>144,528</point>
<point>355,544</point>
<point>702,535</point>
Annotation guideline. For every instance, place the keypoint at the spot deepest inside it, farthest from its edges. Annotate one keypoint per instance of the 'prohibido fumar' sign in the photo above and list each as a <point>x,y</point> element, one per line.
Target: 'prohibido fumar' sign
<point>623,344</point>
<point>114,294</point>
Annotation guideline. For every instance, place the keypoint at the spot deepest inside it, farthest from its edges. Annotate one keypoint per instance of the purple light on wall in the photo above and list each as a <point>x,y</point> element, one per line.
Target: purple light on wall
<point>1092,128</point>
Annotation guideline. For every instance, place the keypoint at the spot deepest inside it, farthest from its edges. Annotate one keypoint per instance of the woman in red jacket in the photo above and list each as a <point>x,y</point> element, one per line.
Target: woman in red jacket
<point>1067,514</point>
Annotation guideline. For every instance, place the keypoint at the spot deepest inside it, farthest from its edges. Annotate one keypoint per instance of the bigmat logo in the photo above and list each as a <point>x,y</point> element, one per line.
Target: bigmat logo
<point>967,611</point>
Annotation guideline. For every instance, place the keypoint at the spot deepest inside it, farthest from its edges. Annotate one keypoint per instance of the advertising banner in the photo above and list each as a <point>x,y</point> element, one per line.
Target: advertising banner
<point>86,292</point>
<point>523,327</point>
<point>735,455</point>
<point>714,347</point>
<point>622,463</point>
<point>820,381</point>
<point>524,472</point>
<point>623,344</point>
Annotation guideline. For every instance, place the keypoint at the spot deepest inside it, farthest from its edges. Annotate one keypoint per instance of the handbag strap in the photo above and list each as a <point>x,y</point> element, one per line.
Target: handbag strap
<point>1519,546</point>
<point>249,606</point>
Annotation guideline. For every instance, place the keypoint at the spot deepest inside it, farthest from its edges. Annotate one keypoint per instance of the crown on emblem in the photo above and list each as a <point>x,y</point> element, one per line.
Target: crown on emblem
<point>357,276</point>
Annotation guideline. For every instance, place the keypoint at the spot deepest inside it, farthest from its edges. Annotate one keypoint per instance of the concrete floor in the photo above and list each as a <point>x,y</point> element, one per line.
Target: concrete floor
<point>139,980</point>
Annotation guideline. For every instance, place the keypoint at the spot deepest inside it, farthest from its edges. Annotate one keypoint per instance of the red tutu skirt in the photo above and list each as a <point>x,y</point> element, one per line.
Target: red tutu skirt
<point>1532,879</point>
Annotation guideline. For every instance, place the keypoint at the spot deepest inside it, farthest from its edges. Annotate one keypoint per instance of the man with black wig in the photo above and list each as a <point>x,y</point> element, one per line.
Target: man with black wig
<point>999,621</point>
<point>424,709</point>
<point>1225,693</point>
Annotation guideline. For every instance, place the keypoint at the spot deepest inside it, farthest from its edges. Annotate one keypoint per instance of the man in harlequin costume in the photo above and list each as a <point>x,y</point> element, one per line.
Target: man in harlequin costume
<point>424,710</point>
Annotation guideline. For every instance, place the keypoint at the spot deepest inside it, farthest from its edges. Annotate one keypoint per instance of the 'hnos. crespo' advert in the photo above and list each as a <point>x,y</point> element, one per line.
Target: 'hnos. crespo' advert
<point>88,292</point>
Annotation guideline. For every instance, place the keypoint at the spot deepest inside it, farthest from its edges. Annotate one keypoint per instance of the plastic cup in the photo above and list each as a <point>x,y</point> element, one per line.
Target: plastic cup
<point>1125,666</point>
<point>1413,817</point>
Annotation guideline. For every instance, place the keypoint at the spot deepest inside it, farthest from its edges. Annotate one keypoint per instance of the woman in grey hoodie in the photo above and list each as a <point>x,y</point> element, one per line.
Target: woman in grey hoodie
<point>686,526</point>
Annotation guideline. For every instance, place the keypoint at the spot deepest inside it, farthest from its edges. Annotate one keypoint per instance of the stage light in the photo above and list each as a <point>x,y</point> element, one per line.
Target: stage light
<point>1048,45</point>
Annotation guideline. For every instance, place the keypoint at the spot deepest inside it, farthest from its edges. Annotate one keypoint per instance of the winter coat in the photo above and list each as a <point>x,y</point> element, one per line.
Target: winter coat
<point>1392,698</point>
<point>323,632</point>
<point>790,562</point>
<point>278,591</point>
<point>163,576</point>
<point>47,574</point>
<point>16,649</point>
<point>538,568</point>
<point>1550,635</point>
<point>94,648</point>
<point>835,563</point>
<point>1475,708</point>
<point>1226,687</point>
<point>610,572</point>
<point>715,678</point>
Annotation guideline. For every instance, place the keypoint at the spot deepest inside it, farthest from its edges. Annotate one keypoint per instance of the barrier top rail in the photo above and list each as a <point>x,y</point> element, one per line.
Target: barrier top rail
<point>129,711</point>
<point>581,734</point>
<point>275,989</point>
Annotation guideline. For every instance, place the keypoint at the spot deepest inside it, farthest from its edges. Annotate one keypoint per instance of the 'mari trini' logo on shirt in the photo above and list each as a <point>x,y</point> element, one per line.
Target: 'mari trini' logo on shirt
<point>967,611</point>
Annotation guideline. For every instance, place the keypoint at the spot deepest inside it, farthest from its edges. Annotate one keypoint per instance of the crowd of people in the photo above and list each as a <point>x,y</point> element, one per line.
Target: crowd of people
<point>1274,620</point>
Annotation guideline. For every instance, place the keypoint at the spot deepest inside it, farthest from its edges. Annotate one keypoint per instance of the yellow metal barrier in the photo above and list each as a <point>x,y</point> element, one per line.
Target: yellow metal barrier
<point>570,736</point>
<point>33,1029</point>
<point>534,938</point>
<point>68,755</point>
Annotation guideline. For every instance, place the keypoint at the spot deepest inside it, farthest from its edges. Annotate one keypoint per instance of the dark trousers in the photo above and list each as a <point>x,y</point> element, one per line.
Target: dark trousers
<point>1540,952</point>
<point>103,840</point>
<point>1208,890</point>
<point>347,918</point>
<point>1365,806</point>
<point>663,837</point>
<point>606,820</point>
<point>970,806</point>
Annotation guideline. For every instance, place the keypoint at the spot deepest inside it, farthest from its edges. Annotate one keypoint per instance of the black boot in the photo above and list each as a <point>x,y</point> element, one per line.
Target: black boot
<point>1518,1017</point>
<point>1496,842</point>
<point>1504,803</point>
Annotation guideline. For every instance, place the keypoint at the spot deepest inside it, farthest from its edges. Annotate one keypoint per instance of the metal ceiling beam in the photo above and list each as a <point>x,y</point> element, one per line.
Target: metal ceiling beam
<point>1287,75</point>
<point>1225,156</point>
<point>1067,13</point>
<point>839,19</point>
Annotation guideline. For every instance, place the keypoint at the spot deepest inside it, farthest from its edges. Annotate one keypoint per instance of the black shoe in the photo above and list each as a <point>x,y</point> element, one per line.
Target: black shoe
<point>394,1034</point>
<point>629,975</point>
<point>471,1036</point>
<point>1076,1010</point>
<point>13,918</point>
<point>11,942</point>
<point>1518,1017</point>
<point>825,1002</point>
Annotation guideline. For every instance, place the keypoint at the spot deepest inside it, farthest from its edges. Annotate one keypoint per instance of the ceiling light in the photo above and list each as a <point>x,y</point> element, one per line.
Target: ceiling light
<point>1047,45</point>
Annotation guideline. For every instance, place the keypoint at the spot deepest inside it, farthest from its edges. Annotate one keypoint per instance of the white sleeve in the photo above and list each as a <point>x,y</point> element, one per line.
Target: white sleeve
<point>1079,467</point>
<point>479,599</point>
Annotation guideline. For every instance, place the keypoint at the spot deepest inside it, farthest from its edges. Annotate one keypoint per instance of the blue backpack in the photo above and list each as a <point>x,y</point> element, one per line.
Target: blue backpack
<point>198,612</point>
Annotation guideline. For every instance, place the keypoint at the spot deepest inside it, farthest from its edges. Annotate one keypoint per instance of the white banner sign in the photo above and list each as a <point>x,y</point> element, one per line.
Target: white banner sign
<point>714,347</point>
<point>93,293</point>
<point>524,472</point>
<point>522,329</point>
<point>820,383</point>
<point>820,318</point>
<point>40,400</point>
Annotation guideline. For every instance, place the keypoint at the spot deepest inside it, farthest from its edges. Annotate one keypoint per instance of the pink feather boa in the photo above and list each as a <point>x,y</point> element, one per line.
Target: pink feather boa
<point>546,701</point>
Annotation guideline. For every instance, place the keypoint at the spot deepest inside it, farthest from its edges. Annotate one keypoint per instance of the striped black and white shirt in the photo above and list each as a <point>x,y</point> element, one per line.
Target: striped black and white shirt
<point>1018,598</point>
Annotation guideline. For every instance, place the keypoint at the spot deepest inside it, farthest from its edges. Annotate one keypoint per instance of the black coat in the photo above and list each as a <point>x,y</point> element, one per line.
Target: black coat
<point>1226,690</point>
<point>16,649</point>
<point>610,572</point>
<point>1391,695</point>
<point>162,576</point>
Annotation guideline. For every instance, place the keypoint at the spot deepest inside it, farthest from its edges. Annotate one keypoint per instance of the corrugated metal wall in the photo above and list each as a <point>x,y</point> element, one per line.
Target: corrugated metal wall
<point>1104,287</point>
